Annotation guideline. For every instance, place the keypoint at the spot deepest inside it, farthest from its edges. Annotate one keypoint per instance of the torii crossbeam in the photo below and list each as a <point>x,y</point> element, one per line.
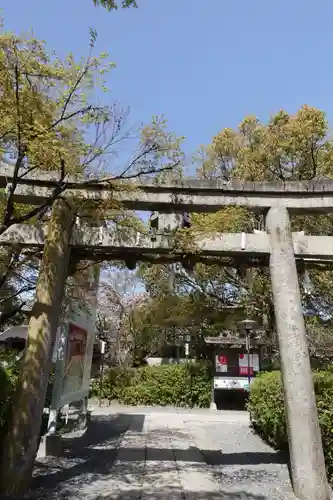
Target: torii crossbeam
<point>103,243</point>
<point>186,195</point>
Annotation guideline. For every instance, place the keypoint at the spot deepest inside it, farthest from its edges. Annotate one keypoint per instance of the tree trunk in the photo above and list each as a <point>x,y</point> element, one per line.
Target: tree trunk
<point>20,443</point>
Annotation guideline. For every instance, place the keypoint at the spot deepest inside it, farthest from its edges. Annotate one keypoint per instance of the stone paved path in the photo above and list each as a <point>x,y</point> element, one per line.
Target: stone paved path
<point>148,454</point>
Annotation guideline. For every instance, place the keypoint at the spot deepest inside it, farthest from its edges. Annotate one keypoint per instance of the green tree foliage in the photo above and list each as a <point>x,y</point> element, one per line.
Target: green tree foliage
<point>52,119</point>
<point>196,305</point>
<point>9,369</point>
<point>287,147</point>
<point>114,5</point>
<point>45,108</point>
<point>152,325</point>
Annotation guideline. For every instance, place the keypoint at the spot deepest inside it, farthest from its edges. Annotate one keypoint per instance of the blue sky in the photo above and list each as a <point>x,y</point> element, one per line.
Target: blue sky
<point>203,64</point>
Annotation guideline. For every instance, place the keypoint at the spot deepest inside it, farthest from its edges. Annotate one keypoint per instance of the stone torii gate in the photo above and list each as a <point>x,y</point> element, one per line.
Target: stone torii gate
<point>277,247</point>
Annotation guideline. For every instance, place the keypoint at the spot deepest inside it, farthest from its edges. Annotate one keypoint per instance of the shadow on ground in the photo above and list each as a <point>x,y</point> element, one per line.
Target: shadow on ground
<point>85,468</point>
<point>231,400</point>
<point>215,457</point>
<point>93,453</point>
<point>166,494</point>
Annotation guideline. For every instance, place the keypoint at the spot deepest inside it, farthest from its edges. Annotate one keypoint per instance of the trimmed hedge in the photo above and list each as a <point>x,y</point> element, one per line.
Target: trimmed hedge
<point>187,384</point>
<point>266,407</point>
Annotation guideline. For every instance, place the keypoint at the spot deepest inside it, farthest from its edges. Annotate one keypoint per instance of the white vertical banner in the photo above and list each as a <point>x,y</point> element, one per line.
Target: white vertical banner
<point>245,363</point>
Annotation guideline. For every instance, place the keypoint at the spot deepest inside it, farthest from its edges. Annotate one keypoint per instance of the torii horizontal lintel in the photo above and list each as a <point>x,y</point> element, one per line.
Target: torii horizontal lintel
<point>107,242</point>
<point>52,178</point>
<point>191,195</point>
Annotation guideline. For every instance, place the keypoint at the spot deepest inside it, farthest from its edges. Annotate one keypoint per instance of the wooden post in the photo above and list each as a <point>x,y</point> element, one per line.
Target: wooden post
<point>22,437</point>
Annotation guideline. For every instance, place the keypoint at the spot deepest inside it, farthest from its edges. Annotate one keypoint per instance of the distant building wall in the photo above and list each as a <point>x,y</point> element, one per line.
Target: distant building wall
<point>167,361</point>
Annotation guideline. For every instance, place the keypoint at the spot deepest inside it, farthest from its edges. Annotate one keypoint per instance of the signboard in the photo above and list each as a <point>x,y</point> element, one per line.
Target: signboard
<point>231,383</point>
<point>75,340</point>
<point>221,363</point>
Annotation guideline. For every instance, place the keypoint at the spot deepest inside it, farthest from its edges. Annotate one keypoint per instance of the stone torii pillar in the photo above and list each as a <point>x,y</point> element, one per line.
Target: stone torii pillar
<point>165,222</point>
<point>304,437</point>
<point>21,441</point>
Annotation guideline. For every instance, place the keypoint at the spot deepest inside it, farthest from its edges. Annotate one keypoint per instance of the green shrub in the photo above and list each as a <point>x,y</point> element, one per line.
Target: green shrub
<point>5,395</point>
<point>9,371</point>
<point>175,385</point>
<point>266,408</point>
<point>114,381</point>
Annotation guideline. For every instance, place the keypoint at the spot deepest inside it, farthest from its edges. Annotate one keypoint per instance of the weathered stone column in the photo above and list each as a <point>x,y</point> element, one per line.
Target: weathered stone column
<point>305,445</point>
<point>21,441</point>
<point>169,221</point>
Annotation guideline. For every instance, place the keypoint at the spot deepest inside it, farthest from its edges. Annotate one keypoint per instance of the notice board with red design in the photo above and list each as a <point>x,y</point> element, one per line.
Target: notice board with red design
<point>221,363</point>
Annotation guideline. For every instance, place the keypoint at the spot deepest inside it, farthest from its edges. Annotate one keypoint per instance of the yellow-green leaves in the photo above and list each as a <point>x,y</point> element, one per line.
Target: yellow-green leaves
<point>287,147</point>
<point>228,220</point>
<point>114,4</point>
<point>51,119</point>
<point>47,103</point>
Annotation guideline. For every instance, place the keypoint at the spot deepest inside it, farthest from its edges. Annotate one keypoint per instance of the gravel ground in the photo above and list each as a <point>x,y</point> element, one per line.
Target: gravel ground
<point>241,461</point>
<point>150,454</point>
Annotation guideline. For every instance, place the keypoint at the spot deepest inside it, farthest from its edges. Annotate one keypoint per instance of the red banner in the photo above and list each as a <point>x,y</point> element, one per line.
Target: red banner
<point>244,370</point>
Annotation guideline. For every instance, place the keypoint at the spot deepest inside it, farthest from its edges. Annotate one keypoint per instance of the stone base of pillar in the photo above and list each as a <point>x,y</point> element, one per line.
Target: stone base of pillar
<point>213,406</point>
<point>82,421</point>
<point>281,494</point>
<point>50,446</point>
